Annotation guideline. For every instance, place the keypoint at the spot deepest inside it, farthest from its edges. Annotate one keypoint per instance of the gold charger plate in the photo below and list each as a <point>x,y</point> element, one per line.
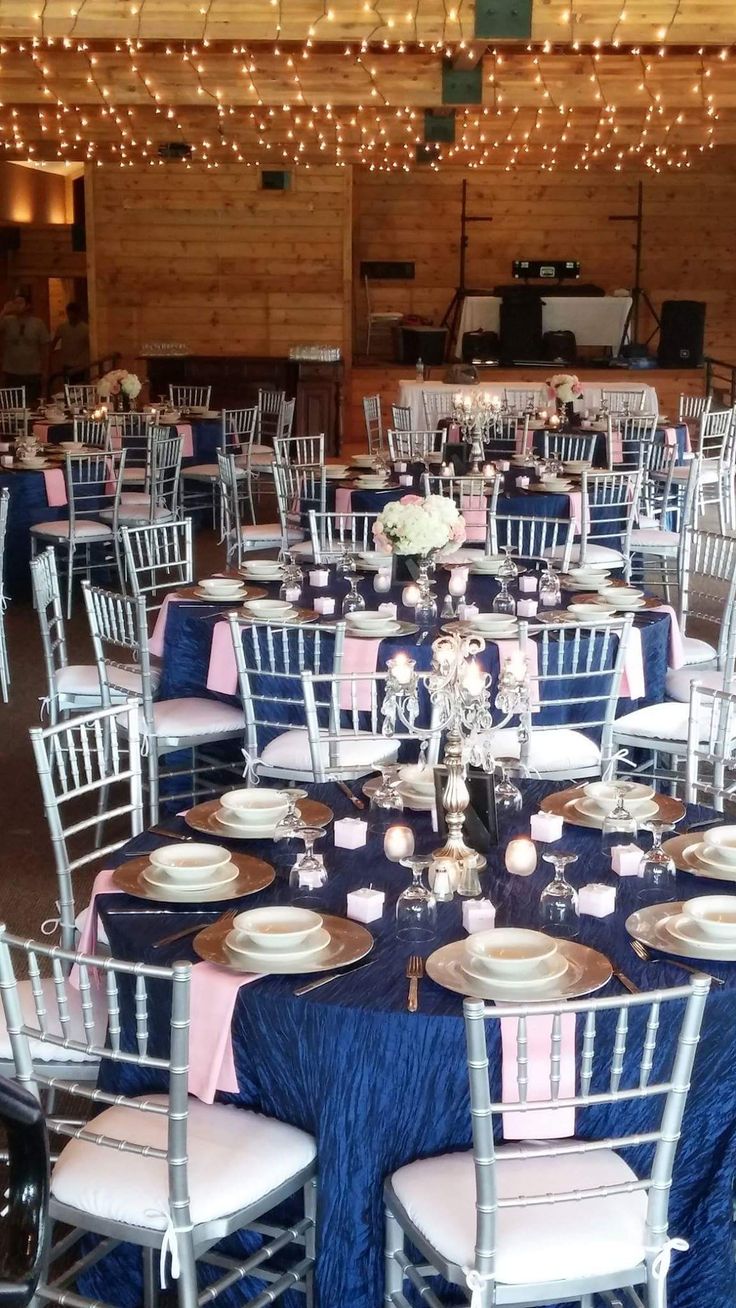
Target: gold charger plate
<point>649,925</point>
<point>297,619</point>
<point>587,970</point>
<point>203,818</point>
<point>253,874</point>
<point>594,597</point>
<point>349,941</point>
<point>677,846</point>
<point>194,593</point>
<point>402,629</point>
<point>563,804</point>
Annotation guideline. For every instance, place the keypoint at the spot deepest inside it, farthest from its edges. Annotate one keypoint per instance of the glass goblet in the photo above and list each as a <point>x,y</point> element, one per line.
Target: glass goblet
<point>619,826</point>
<point>503,602</point>
<point>550,593</point>
<point>657,870</point>
<point>509,799</point>
<point>508,568</point>
<point>353,602</point>
<point>387,795</point>
<point>416,907</point>
<point>558,902</point>
<point>309,871</point>
<point>292,820</point>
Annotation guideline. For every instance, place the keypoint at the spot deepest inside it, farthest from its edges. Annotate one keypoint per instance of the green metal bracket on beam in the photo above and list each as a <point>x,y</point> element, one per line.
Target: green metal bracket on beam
<point>499,20</point>
<point>439,126</point>
<point>462,85</point>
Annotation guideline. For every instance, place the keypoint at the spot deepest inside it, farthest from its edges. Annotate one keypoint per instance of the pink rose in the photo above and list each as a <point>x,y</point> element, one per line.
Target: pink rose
<point>381,539</point>
<point>458,531</point>
<point>577,389</point>
<point>411,499</point>
<point>551,392</point>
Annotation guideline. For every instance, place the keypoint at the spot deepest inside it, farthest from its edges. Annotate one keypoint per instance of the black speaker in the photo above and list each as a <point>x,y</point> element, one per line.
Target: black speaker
<point>480,345</point>
<point>560,345</point>
<point>425,343</point>
<point>521,327</point>
<point>682,334</point>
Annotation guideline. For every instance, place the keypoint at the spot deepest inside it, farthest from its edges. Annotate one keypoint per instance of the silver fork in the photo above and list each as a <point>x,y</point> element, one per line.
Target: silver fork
<point>227,919</point>
<point>647,956</point>
<point>414,973</point>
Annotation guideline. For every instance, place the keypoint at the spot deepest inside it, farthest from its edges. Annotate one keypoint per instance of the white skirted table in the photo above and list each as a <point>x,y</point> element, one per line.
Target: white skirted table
<point>410,393</point>
<point>596,320</point>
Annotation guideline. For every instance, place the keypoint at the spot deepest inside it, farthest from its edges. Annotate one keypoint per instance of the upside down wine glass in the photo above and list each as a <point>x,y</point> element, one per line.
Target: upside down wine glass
<point>309,871</point>
<point>558,902</point>
<point>416,907</point>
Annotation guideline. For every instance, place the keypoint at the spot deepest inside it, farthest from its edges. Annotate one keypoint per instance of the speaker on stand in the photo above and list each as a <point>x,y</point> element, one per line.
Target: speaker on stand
<point>681,334</point>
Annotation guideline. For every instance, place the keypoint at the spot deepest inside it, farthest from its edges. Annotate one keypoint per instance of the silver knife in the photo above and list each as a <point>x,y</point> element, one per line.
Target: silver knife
<point>334,976</point>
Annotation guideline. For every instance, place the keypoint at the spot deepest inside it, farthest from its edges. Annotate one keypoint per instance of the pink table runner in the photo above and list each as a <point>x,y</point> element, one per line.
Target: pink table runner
<point>213,995</point>
<point>544,1123</point>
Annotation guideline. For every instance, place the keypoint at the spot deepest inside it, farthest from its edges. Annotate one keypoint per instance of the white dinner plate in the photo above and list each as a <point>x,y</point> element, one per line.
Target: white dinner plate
<point>650,926</point>
<point>685,928</point>
<point>699,867</point>
<point>157,876</point>
<point>391,627</point>
<point>270,959</point>
<point>549,971</point>
<point>219,597</point>
<point>586,971</point>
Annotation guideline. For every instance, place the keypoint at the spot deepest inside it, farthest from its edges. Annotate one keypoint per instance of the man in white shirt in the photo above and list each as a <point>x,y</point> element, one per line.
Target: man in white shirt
<point>71,338</point>
<point>25,354</point>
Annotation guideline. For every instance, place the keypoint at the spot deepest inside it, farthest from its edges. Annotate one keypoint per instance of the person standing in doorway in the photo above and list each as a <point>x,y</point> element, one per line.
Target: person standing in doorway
<point>71,338</point>
<point>25,352</point>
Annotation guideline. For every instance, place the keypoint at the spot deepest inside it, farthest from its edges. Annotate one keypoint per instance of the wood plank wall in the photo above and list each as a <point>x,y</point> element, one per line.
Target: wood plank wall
<point>210,260</point>
<point>689,248</point>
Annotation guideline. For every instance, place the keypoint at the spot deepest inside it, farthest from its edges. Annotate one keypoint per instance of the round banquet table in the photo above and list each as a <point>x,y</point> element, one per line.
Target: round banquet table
<point>28,506</point>
<point>206,436</point>
<point>189,627</point>
<point>379,1087</point>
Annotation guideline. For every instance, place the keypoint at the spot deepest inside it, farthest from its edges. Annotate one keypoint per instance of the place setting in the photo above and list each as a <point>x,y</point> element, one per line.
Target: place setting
<point>614,804</point>
<point>221,590</point>
<point>366,624</point>
<point>258,813</point>
<point>187,872</point>
<point>703,928</point>
<point>518,965</point>
<point>711,854</point>
<point>413,783</point>
<point>276,612</point>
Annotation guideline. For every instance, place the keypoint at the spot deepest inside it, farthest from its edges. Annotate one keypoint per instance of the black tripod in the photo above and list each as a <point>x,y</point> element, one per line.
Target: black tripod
<point>637,293</point>
<point>453,312</point>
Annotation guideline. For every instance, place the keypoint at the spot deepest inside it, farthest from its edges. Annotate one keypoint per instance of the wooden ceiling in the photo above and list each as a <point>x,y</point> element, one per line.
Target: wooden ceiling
<point>604,84</point>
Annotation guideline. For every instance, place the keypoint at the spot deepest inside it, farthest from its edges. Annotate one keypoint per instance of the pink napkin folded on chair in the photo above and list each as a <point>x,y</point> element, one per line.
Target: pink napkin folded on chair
<point>359,656</point>
<point>222,673</point>
<point>212,1002</point>
<point>55,488</point>
<point>156,639</point>
<point>617,453</point>
<point>544,1123</point>
<point>632,677</point>
<point>187,449</point>
<point>576,510</point>
<point>40,432</point>
<point>343,499</point>
<point>475,518</point>
<point>676,653</point>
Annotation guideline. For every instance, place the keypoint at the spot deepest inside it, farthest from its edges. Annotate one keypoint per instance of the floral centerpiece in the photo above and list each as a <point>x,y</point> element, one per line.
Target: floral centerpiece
<point>119,383</point>
<point>564,388</point>
<point>419,525</point>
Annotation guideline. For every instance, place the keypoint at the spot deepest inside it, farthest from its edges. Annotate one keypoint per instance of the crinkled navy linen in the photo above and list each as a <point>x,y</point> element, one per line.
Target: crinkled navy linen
<point>379,1087</point>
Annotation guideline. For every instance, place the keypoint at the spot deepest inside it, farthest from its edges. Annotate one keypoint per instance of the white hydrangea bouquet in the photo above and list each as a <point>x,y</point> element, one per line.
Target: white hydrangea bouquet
<point>418,525</point>
<point>564,387</point>
<point>119,382</point>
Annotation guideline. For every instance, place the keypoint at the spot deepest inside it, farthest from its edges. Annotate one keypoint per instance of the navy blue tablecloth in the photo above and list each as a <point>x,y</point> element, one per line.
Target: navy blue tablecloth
<point>28,506</point>
<point>379,1087</point>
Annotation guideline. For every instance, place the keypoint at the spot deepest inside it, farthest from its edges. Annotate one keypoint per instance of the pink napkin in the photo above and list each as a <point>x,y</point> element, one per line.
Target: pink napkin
<point>222,673</point>
<point>103,885</point>
<point>576,510</point>
<point>116,435</point>
<point>343,499</point>
<point>40,431</point>
<point>670,436</point>
<point>475,518</point>
<point>187,449</point>
<point>632,677</point>
<point>520,438</point>
<point>676,649</point>
<point>359,656</point>
<point>545,1123</point>
<point>156,639</point>
<point>55,488</point>
<point>212,1001</point>
<point>511,649</point>
<point>616,448</point>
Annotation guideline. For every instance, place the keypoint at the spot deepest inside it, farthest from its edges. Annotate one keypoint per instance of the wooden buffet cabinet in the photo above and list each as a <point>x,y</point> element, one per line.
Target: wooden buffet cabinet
<point>235,381</point>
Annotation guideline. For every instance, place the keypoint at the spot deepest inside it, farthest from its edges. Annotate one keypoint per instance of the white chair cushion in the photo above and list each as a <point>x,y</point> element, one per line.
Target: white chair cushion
<point>195,717</point>
<point>262,454</point>
<point>593,554</point>
<point>679,681</point>
<point>655,722</point>
<point>559,749</point>
<point>201,472</point>
<point>544,1242</point>
<point>268,533</point>
<point>135,497</point>
<point>291,749</point>
<point>46,1053</point>
<point>697,651</point>
<point>236,1157</point>
<point>84,529</point>
<point>134,474</point>
<point>654,539</point>
<point>80,922</point>
<point>707,475</point>
<point>82,679</point>
<point>137,512</point>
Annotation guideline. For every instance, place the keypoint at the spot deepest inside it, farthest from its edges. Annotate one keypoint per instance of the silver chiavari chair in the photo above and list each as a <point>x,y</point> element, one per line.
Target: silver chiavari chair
<point>253,459</point>
<point>401,417</point>
<point>70,687</point>
<point>717,448</point>
<point>200,481</point>
<point>477,499</point>
<point>157,558</point>
<point>522,399</point>
<point>140,1170</point>
<point>710,762</point>
<point>496,1220</point>
<point>566,729</point>
<point>159,501</point>
<point>81,395</point>
<point>13,423</point>
<point>286,419</point>
<point>270,405</point>
<point>300,489</point>
<point>132,432</point>
<point>346,725</point>
<point>621,401</point>
<point>609,510</point>
<point>270,662</point>
<point>241,537</point>
<point>632,434</point>
<point>189,398</point>
<point>437,405</point>
<point>373,422</point>
<point>691,407</point>
<point>93,489</point>
<point>415,446</point>
<point>670,506</point>
<point>12,398</point>
<point>89,770</point>
<point>304,450</point>
<point>94,432</point>
<point>536,539</point>
<point>4,660</point>
<point>333,535</point>
<point>570,447</point>
<point>119,628</point>
<point>501,441</point>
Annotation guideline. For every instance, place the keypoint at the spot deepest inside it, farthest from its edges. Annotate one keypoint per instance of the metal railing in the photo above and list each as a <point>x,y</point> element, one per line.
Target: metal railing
<point>94,370</point>
<point>720,381</point>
